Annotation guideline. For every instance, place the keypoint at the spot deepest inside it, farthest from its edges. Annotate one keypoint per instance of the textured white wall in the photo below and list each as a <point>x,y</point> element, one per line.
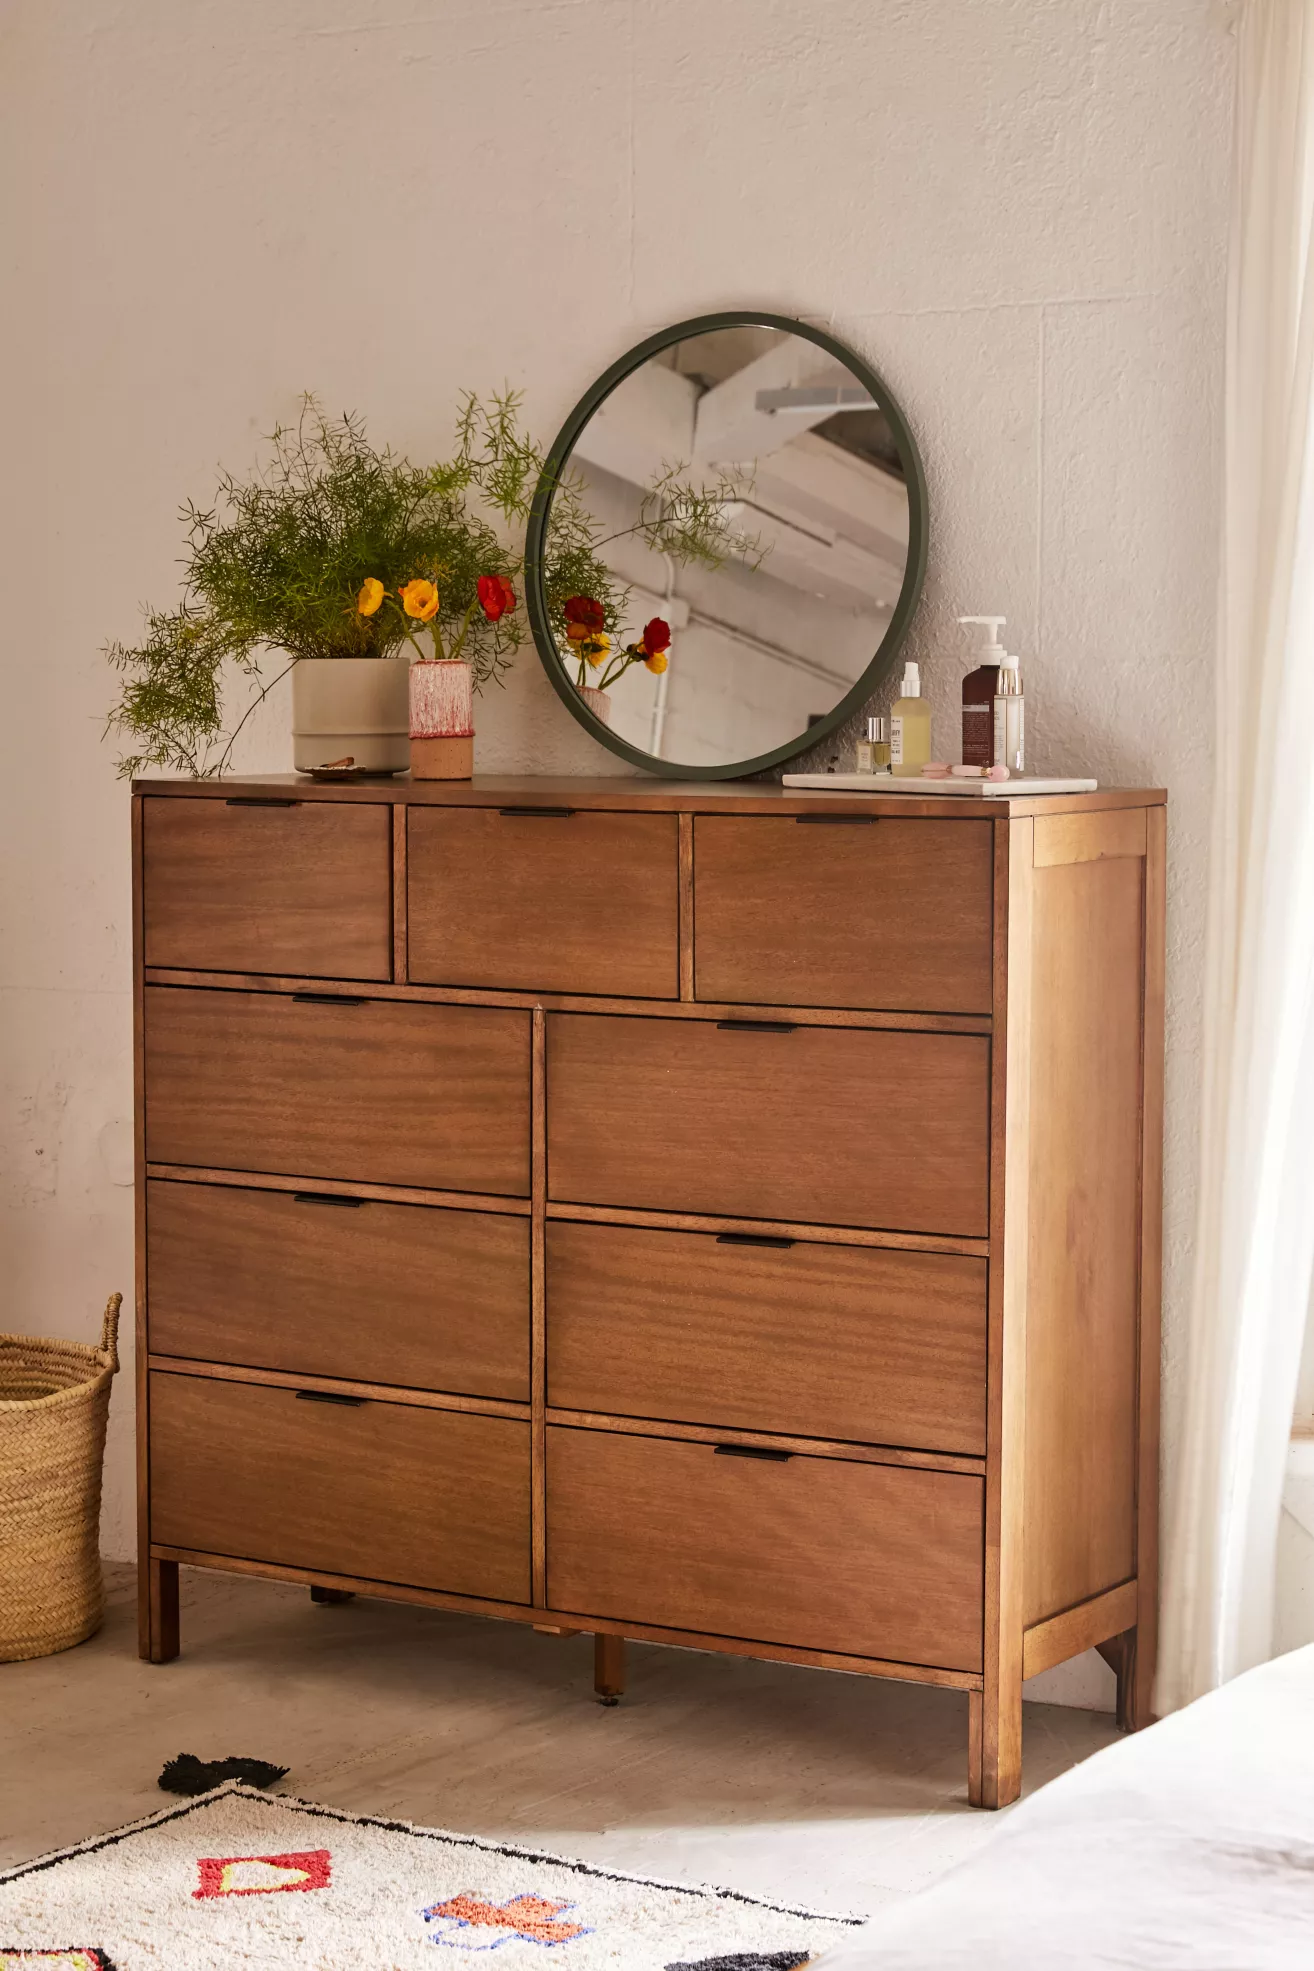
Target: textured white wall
<point>1014,208</point>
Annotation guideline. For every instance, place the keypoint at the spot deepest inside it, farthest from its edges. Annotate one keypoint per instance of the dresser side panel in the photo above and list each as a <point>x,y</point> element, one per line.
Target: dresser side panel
<point>1084,1221</point>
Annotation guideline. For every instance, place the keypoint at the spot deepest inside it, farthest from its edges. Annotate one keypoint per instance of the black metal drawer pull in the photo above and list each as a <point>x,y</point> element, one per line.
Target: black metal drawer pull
<point>331,1396</point>
<point>752,1239</point>
<point>260,801</point>
<point>753,1451</point>
<point>538,814</point>
<point>757,1026</point>
<point>328,999</point>
<point>328,1198</point>
<point>838,820</point>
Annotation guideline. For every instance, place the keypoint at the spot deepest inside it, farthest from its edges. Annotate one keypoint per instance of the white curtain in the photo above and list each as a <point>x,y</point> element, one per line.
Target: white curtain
<point>1255,1232</point>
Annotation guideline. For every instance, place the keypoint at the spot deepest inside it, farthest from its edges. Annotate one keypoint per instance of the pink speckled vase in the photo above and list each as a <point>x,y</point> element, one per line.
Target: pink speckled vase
<point>442,719</point>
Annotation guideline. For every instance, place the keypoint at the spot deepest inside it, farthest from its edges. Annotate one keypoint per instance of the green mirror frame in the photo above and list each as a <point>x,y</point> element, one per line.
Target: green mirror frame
<point>885,657</point>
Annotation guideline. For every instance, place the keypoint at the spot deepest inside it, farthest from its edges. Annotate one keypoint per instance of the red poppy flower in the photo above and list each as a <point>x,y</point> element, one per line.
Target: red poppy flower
<point>656,636</point>
<point>496,596</point>
<point>584,613</point>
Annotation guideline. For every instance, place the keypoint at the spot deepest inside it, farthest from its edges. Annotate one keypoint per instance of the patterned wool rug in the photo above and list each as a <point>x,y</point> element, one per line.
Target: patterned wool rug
<point>238,1878</point>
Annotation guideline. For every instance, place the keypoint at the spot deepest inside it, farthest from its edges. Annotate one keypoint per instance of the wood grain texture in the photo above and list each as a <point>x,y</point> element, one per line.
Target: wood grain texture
<point>400,959</point>
<point>264,1180</point>
<point>860,1559</point>
<point>538,1302</point>
<point>893,915</point>
<point>431,1096</point>
<point>1064,838</point>
<point>686,906</point>
<point>382,1293</point>
<point>842,1235</point>
<point>304,889</point>
<point>581,903</point>
<point>813,1659</point>
<point>832,1125</point>
<point>565,1002</point>
<point>995,1771</point>
<point>767,1440</point>
<point>424,1399</point>
<point>1076,1629</point>
<point>827,1341</point>
<point>148,1579</point>
<point>1136,1677</point>
<point>634,793</point>
<point>1084,1232</point>
<point>391,1490</point>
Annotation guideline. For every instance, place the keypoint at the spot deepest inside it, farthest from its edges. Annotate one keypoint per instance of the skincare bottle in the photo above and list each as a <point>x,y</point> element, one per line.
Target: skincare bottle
<point>1010,718</point>
<point>979,691</point>
<point>874,750</point>
<point>910,726</point>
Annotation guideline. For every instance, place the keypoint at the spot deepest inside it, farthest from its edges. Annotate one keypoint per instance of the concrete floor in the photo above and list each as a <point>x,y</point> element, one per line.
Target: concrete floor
<point>797,1785</point>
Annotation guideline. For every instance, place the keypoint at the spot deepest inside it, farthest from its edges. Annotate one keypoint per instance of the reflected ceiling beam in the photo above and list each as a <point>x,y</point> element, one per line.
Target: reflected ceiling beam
<point>770,401</point>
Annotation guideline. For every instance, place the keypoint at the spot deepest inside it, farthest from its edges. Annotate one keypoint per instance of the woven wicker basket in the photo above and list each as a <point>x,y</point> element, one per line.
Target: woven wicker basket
<point>54,1402</point>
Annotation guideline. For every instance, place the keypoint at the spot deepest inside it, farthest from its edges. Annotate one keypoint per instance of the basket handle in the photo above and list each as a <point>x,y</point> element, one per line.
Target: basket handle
<point>109,1330</point>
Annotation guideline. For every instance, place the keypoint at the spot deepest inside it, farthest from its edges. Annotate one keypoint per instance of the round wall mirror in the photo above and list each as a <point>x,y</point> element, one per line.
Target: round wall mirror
<point>726,546</point>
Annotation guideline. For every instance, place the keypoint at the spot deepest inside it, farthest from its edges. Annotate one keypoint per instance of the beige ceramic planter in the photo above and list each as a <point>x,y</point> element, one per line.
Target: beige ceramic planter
<point>598,702</point>
<point>351,707</point>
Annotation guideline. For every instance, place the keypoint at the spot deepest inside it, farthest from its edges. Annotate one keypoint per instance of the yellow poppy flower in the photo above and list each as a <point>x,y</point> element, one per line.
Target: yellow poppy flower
<point>420,599</point>
<point>597,647</point>
<point>371,595</point>
<point>656,662</point>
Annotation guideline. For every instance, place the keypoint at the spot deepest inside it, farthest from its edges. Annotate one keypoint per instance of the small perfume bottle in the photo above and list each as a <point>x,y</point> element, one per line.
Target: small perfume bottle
<point>874,750</point>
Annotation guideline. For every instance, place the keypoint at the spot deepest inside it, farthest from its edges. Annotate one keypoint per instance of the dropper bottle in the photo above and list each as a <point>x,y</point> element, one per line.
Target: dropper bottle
<point>910,726</point>
<point>1010,717</point>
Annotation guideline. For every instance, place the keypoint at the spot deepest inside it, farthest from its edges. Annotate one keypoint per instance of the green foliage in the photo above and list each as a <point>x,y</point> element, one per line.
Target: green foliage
<point>677,516</point>
<point>278,561</point>
<point>277,564</point>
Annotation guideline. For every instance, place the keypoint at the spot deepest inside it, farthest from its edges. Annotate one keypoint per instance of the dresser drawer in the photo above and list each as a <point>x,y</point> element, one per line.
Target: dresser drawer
<point>865,1560</point>
<point>815,1125</point>
<point>301,888</point>
<point>376,1091</point>
<point>386,1491</point>
<point>346,1287</point>
<point>881,913</point>
<point>543,900</point>
<point>810,1340</point>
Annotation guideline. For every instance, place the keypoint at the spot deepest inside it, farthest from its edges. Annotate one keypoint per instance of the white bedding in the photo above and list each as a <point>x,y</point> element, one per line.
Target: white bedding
<point>1189,1847</point>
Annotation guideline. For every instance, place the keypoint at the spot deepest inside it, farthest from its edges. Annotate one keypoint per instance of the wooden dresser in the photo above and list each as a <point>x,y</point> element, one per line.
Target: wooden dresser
<point>719,1215</point>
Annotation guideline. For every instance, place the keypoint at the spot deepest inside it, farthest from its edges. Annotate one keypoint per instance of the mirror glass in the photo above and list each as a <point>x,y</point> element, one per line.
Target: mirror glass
<point>725,543</point>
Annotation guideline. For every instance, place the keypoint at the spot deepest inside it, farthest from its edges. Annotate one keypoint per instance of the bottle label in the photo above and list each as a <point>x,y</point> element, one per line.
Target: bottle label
<point>896,741</point>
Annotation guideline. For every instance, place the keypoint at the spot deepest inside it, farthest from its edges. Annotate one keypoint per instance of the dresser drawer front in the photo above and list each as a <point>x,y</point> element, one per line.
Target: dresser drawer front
<point>536,901</point>
<point>865,1560</point>
<point>817,1125</point>
<point>883,914</point>
<point>302,889</point>
<point>826,1341</point>
<point>368,1292</point>
<point>388,1492</point>
<point>381,1091</point>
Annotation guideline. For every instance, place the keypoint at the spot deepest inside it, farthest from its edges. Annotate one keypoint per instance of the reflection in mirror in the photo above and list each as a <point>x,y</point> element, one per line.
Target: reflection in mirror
<point>739,506</point>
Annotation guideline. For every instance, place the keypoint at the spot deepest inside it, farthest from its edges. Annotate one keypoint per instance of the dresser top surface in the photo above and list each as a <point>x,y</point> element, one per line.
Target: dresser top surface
<point>633,792</point>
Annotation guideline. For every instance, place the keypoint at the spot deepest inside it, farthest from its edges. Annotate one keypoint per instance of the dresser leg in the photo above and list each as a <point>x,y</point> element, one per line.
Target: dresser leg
<point>157,1611</point>
<point>994,1749</point>
<point>609,1668</point>
<point>1119,1652</point>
